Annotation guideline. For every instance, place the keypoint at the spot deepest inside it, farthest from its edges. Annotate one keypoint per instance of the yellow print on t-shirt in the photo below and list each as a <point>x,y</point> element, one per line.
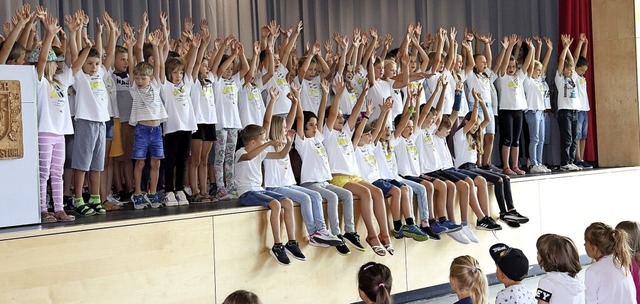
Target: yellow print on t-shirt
<point>582,81</point>
<point>514,83</point>
<point>412,150</point>
<point>343,142</point>
<point>314,92</point>
<point>370,159</point>
<point>178,91</point>
<point>253,96</point>
<point>96,84</point>
<point>208,90</point>
<point>415,85</point>
<point>322,152</point>
<point>228,90</point>
<point>280,81</point>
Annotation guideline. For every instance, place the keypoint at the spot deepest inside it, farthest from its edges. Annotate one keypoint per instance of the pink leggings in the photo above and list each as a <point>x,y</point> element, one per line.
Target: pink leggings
<point>51,162</point>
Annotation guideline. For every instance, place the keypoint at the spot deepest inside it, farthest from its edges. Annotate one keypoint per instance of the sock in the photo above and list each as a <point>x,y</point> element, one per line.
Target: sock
<point>464,223</point>
<point>397,225</point>
<point>442,219</point>
<point>95,198</point>
<point>431,221</point>
<point>409,221</point>
<point>277,244</point>
<point>78,201</point>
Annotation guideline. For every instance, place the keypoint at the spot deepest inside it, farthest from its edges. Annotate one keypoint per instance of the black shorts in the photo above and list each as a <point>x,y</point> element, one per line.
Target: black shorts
<point>206,132</point>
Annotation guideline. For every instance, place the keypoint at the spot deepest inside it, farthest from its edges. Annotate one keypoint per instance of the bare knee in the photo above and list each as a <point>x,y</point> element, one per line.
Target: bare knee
<point>286,203</point>
<point>274,205</point>
<point>395,192</point>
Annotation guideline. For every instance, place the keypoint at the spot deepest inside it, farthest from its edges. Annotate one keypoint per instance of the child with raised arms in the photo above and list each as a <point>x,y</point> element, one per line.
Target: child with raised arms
<point>566,80</point>
<point>249,180</point>
<point>312,69</point>
<point>278,176</point>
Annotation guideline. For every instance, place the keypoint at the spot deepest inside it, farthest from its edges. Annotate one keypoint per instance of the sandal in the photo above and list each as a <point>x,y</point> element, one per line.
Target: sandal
<point>62,216</point>
<point>83,210</point>
<point>47,217</point>
<point>199,198</point>
<point>518,171</point>
<point>97,207</point>
<point>109,206</point>
<point>508,171</point>
<point>377,249</point>
<point>388,246</point>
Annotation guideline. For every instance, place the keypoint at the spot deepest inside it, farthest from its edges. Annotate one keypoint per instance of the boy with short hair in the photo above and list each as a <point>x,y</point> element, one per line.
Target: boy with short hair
<point>582,65</point>
<point>248,175</point>
<point>512,266</point>
<point>566,80</point>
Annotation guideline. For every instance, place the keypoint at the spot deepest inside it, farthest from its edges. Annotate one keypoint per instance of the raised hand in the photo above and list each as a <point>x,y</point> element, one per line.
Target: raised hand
<point>188,23</point>
<point>325,86</point>
<point>548,42</point>
<point>274,93</point>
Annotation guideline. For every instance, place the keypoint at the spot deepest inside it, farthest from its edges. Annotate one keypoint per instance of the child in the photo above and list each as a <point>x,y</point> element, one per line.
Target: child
<point>468,144</point>
<point>226,86</point>
<point>90,132</point>
<point>537,92</point>
<point>374,283</point>
<point>54,121</point>
<point>580,54</point>
<point>512,103</point>
<point>315,174</point>
<point>278,176</point>
<point>309,78</point>
<point>400,194</point>
<point>609,279</point>
<point>250,103</point>
<point>633,230</point>
<point>242,297</point>
<point>344,169</point>
<point>177,81</point>
<point>249,181</point>
<point>468,281</point>
<point>558,256</point>
<point>512,267</point>
<point>204,108</point>
<point>568,104</point>
<point>147,113</point>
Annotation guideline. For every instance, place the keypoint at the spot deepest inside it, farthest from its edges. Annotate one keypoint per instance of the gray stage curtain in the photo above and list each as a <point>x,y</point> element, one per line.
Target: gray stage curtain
<point>243,18</point>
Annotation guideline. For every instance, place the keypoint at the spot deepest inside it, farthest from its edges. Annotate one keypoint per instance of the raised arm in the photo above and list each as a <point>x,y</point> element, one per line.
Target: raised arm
<point>451,53</point>
<point>22,17</point>
<point>111,32</point>
<point>129,42</point>
<point>326,71</point>
<point>427,107</point>
<point>547,55</point>
<point>244,64</point>
<point>529,59</point>
<point>142,32</point>
<point>206,39</point>
<point>196,41</point>
<point>343,42</point>
<point>566,43</point>
<point>513,39</point>
<point>315,50</point>
<point>468,55</point>
<point>156,39</point>
<point>474,112</point>
<point>77,65</point>
<point>423,55</point>
<point>229,61</point>
<point>443,82</point>
<point>402,80</point>
<point>330,119</point>
<point>51,27</point>
<point>456,103</point>
<point>580,50</point>
<point>287,147</point>
<point>539,48</point>
<point>407,111</point>
<point>268,113</point>
<point>385,108</point>
<point>487,40</point>
<point>286,52</point>
<point>357,134</point>
<point>504,44</point>
<point>294,94</point>
<point>355,112</point>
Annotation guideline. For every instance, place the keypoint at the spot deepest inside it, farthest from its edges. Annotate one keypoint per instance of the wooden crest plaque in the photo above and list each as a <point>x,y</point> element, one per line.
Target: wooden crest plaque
<point>11,141</point>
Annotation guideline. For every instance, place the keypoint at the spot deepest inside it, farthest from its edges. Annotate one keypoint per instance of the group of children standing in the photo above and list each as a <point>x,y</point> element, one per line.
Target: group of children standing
<point>366,126</point>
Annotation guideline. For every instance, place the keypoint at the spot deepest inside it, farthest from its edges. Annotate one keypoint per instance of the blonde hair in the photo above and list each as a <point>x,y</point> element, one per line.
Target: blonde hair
<point>465,271</point>
<point>143,68</point>
<point>633,231</point>
<point>558,253</point>
<point>275,131</point>
<point>610,241</point>
<point>537,64</point>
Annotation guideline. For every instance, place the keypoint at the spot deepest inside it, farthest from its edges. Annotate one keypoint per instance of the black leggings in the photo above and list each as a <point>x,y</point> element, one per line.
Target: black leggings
<point>501,185</point>
<point>176,152</point>
<point>510,127</point>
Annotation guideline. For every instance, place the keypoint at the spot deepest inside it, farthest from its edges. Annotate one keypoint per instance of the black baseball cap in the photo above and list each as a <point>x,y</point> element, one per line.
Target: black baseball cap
<point>512,261</point>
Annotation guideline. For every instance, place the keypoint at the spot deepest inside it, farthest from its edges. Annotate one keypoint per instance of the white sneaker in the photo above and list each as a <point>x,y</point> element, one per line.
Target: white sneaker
<point>537,169</point>
<point>170,199</point>
<point>569,167</point>
<point>546,170</point>
<point>188,191</point>
<point>576,167</point>
<point>114,200</point>
<point>459,237</point>
<point>466,230</point>
<point>182,198</point>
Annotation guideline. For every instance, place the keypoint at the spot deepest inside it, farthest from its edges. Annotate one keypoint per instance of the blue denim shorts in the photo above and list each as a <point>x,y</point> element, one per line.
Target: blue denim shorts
<point>386,185</point>
<point>583,124</point>
<point>260,198</point>
<point>109,127</point>
<point>145,139</point>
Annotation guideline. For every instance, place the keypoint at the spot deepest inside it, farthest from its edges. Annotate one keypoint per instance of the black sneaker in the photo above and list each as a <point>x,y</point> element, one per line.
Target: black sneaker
<point>509,221</point>
<point>353,239</point>
<point>293,249</point>
<point>514,215</point>
<point>430,233</point>
<point>487,224</point>
<point>277,251</point>
<point>343,249</point>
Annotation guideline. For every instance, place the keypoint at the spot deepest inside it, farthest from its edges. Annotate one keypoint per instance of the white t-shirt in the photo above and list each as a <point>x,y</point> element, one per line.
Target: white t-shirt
<point>123,97</point>
<point>203,100</point>
<point>582,94</point>
<point>54,115</point>
<point>482,83</point>
<point>310,94</point>
<point>427,150</point>
<point>378,92</point>
<point>387,162</point>
<point>91,96</point>
<point>560,288</point>
<point>146,103</point>
<point>512,91</point>
<point>315,160</point>
<point>464,106</point>
<point>367,163</point>
<point>465,152</point>
<point>607,284</point>
<point>110,84</point>
<point>342,157</point>
<point>279,80</point>
<point>407,155</point>
<point>442,152</point>
<point>415,85</point>
<point>347,99</point>
<point>567,92</point>
<point>359,78</point>
<point>278,172</point>
<point>547,97</point>
<point>248,173</point>
<point>536,93</point>
<point>226,96</point>
<point>250,104</point>
<point>515,294</point>
<point>177,102</point>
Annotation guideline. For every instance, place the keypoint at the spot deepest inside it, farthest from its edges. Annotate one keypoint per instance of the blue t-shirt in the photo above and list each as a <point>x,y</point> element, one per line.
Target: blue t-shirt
<point>466,300</point>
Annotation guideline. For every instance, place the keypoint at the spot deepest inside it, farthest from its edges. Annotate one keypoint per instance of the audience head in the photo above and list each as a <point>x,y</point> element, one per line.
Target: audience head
<point>633,231</point>
<point>467,279</point>
<point>252,136</point>
<point>242,297</point>
<point>601,240</point>
<point>374,283</point>
<point>558,253</point>
<point>511,263</point>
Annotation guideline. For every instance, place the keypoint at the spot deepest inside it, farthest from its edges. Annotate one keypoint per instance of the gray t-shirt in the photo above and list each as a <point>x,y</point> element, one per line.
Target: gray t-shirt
<point>516,294</point>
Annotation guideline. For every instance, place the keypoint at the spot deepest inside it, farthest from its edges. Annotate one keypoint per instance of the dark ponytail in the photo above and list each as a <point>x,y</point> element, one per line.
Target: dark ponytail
<point>375,281</point>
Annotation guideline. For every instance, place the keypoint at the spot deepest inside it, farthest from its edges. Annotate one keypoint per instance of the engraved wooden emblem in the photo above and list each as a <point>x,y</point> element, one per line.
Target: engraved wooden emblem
<point>11,141</point>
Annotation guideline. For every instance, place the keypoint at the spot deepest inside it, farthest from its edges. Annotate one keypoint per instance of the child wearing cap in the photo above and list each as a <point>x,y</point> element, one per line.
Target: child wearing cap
<point>512,267</point>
